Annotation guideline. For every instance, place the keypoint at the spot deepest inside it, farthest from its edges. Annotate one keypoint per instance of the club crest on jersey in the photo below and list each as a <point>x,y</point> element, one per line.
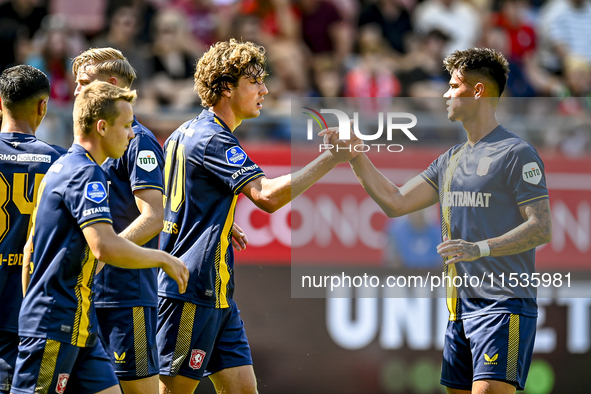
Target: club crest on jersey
<point>235,156</point>
<point>483,166</point>
<point>62,381</point>
<point>197,357</point>
<point>95,192</point>
<point>532,173</point>
<point>146,160</point>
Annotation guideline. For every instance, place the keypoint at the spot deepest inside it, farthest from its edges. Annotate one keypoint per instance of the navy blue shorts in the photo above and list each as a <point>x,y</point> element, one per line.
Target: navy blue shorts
<point>196,341</point>
<point>8,352</point>
<point>48,366</point>
<point>490,347</point>
<point>131,347</point>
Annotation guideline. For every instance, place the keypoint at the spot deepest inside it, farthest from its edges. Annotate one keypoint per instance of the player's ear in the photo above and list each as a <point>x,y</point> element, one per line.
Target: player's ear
<point>42,107</point>
<point>479,90</point>
<point>101,127</point>
<point>112,80</point>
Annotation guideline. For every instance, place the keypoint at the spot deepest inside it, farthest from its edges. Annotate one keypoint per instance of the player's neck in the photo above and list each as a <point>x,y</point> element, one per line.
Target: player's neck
<point>480,126</point>
<point>93,147</point>
<point>23,126</point>
<point>225,113</point>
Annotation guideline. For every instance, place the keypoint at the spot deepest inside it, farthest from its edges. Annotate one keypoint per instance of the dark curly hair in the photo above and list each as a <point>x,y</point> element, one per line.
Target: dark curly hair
<point>220,68</point>
<point>484,62</point>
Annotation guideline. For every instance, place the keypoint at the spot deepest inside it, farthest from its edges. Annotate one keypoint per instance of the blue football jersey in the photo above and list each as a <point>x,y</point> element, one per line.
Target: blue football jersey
<point>205,169</point>
<point>139,168</point>
<point>481,188</point>
<point>59,302</point>
<point>24,160</point>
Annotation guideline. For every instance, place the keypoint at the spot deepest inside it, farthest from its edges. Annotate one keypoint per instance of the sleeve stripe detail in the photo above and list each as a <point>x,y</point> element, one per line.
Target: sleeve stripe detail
<point>139,187</point>
<point>244,182</point>
<point>93,221</point>
<point>430,181</point>
<point>535,198</point>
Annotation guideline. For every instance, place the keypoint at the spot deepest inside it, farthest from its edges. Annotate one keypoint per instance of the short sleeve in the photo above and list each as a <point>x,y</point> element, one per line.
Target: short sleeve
<point>431,174</point>
<point>525,175</point>
<point>228,161</point>
<point>86,196</point>
<point>145,161</point>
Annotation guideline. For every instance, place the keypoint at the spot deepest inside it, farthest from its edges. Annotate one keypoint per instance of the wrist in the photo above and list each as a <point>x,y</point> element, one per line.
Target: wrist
<point>483,248</point>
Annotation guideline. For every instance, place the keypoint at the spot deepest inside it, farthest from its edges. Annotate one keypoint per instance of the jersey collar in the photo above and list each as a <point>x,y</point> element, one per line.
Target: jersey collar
<point>75,148</point>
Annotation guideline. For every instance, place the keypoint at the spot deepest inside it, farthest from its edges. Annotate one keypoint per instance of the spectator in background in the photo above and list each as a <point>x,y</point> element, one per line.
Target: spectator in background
<point>326,77</point>
<point>373,74</point>
<point>420,72</point>
<point>203,19</point>
<point>456,18</point>
<point>324,30</point>
<point>412,241</point>
<point>171,62</point>
<point>522,37</point>
<point>278,18</point>
<point>392,18</point>
<point>145,12</point>
<point>569,29</point>
<point>19,21</point>
<point>122,34</point>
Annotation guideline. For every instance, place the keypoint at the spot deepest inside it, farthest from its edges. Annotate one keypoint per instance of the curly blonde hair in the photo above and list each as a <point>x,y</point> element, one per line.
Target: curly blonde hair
<point>105,61</point>
<point>98,101</point>
<point>220,68</point>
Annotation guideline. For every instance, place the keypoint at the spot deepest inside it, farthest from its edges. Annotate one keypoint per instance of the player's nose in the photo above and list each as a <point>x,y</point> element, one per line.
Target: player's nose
<point>264,90</point>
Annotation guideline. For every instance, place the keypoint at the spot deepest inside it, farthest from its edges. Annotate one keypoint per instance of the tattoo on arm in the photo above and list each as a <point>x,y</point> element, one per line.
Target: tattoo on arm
<point>535,231</point>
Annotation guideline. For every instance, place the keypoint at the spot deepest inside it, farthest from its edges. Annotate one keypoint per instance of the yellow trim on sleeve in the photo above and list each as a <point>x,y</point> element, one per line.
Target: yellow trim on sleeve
<point>535,198</point>
<point>93,221</point>
<point>140,187</point>
<point>430,181</point>
<point>244,182</point>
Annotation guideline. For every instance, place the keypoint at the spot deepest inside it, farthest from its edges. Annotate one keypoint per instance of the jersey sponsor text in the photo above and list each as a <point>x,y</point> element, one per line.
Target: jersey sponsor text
<point>466,199</point>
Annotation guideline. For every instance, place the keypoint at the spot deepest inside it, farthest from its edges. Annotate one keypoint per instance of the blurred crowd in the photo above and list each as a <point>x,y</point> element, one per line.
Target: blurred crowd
<point>315,48</point>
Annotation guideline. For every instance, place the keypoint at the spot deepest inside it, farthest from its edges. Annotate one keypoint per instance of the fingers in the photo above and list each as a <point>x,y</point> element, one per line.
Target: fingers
<point>239,238</point>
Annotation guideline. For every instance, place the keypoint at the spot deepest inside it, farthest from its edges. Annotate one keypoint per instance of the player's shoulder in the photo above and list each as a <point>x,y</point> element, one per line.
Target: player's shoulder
<point>515,144</point>
<point>139,130</point>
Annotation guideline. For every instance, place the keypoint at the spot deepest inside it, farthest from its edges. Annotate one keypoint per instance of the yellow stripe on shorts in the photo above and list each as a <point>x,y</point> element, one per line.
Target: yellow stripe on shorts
<point>140,342</point>
<point>48,362</point>
<point>513,352</point>
<point>183,340</point>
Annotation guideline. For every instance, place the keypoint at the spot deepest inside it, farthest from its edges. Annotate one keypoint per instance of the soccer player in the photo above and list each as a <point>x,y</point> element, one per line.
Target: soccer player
<point>135,198</point>
<point>494,212</point>
<point>200,333</point>
<point>126,300</point>
<point>71,230</point>
<point>24,92</point>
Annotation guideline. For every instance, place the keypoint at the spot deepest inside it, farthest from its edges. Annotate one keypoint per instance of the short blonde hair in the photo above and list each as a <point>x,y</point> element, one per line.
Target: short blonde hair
<point>105,61</point>
<point>98,101</point>
<point>220,68</point>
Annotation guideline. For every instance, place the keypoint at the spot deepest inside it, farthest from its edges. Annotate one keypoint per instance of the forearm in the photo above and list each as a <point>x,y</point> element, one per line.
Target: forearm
<point>378,187</point>
<point>143,228</point>
<point>522,238</point>
<point>277,192</point>
<point>26,269</point>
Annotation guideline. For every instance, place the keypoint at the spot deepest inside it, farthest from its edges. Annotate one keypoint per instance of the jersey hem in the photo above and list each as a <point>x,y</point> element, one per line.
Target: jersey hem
<point>496,312</point>
<point>140,187</point>
<point>108,304</point>
<point>196,302</point>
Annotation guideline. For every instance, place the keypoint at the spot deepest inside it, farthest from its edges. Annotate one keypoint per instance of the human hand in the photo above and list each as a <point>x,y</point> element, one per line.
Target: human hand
<point>177,270</point>
<point>342,150</point>
<point>239,238</point>
<point>457,250</point>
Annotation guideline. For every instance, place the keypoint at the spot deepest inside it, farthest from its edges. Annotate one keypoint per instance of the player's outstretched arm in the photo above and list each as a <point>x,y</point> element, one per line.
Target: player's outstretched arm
<point>151,219</point>
<point>272,194</point>
<point>112,249</point>
<point>416,194</point>
<point>535,231</point>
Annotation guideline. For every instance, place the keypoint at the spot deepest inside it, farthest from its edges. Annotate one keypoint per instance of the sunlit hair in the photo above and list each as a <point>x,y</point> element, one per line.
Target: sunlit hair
<point>20,84</point>
<point>481,62</point>
<point>98,101</point>
<point>106,62</point>
<point>220,68</point>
